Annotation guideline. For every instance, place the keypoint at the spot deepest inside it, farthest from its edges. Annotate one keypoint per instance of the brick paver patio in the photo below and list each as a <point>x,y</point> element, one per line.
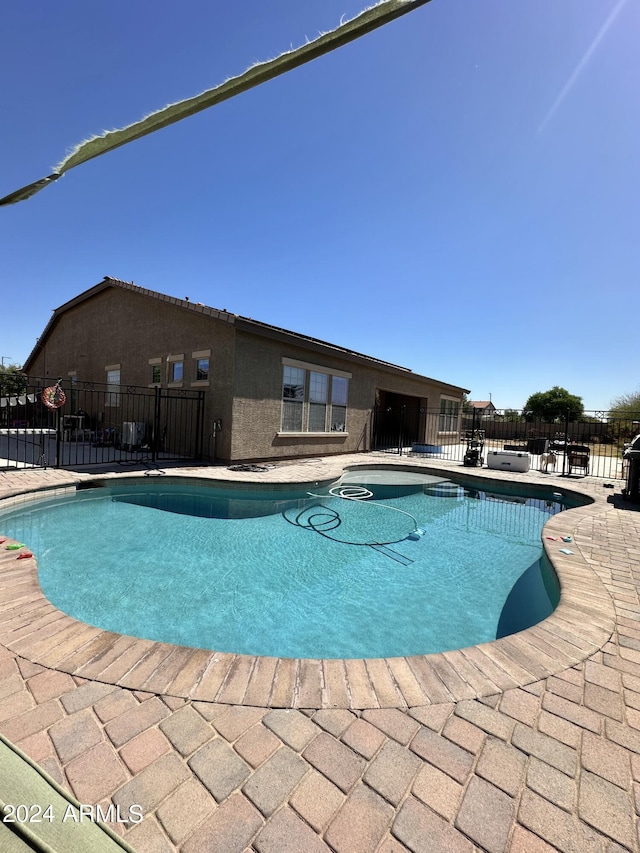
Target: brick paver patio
<point>532,744</point>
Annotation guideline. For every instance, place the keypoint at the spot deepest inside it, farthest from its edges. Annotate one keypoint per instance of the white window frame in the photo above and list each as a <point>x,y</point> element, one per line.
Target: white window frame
<point>318,402</point>
<point>172,361</point>
<point>338,405</point>
<point>156,365</point>
<point>293,377</point>
<point>449,417</point>
<point>316,392</point>
<point>73,394</point>
<point>198,356</point>
<point>114,380</point>
<point>204,378</point>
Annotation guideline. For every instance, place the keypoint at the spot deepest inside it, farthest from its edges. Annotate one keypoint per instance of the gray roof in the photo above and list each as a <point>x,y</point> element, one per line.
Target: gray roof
<point>246,324</point>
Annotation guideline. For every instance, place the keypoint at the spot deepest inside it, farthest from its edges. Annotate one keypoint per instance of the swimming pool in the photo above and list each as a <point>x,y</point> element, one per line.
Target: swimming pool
<point>375,566</point>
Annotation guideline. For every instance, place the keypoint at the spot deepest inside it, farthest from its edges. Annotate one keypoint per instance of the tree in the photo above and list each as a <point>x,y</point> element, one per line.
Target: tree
<point>624,415</point>
<point>512,415</point>
<point>626,405</point>
<point>13,382</point>
<point>553,405</point>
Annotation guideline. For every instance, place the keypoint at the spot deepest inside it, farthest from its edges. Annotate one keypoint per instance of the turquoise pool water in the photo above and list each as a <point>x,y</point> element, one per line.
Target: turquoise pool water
<point>412,568</point>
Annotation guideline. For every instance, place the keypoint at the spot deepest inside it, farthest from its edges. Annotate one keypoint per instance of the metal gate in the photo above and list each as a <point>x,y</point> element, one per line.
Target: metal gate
<point>90,424</point>
<point>396,428</point>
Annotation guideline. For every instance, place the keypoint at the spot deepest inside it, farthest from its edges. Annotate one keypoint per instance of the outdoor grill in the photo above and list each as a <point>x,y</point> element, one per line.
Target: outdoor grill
<point>631,456</point>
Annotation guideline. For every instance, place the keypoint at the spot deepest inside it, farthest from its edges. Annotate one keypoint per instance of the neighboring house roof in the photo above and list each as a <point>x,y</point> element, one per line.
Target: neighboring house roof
<point>242,323</point>
<point>481,404</point>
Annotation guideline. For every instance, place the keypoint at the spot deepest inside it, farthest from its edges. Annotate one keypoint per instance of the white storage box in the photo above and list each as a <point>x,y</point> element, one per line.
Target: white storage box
<point>508,460</point>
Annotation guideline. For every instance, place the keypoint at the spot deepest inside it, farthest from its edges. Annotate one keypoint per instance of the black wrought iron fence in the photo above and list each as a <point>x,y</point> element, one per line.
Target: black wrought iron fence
<point>593,444</point>
<point>70,424</point>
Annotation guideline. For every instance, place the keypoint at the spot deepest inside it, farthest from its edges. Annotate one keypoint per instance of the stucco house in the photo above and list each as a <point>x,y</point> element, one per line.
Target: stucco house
<point>271,393</point>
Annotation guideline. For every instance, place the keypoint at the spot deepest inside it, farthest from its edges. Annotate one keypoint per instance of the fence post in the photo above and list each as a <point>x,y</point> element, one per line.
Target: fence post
<point>200,420</point>
<point>58,439</point>
<point>566,441</point>
<point>156,424</point>
<point>402,408</point>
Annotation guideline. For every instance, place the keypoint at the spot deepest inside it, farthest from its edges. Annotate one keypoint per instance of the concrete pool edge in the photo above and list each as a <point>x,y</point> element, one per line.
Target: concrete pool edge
<point>33,628</point>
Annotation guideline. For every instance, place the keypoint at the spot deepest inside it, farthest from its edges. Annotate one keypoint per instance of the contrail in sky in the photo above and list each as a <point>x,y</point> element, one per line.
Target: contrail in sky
<point>581,65</point>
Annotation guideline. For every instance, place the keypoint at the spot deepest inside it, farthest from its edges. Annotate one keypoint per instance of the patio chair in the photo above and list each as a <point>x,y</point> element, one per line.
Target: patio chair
<point>578,457</point>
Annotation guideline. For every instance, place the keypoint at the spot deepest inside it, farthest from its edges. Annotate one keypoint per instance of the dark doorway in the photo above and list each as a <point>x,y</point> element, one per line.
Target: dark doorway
<point>399,420</point>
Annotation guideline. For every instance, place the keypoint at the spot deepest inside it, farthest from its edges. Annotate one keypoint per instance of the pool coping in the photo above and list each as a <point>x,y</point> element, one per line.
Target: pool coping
<point>583,622</point>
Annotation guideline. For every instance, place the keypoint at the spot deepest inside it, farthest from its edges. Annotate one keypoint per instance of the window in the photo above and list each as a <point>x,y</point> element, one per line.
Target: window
<point>175,368</point>
<point>318,397</point>
<point>73,378</point>
<point>292,398</point>
<point>156,371</point>
<point>339,388</point>
<point>448,415</point>
<point>202,369</point>
<point>313,400</point>
<point>112,396</point>
<point>201,364</point>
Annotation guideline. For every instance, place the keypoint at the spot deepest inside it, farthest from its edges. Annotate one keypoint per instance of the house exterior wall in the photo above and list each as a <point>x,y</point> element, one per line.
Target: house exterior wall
<point>257,406</point>
<point>258,402</point>
<point>117,327</point>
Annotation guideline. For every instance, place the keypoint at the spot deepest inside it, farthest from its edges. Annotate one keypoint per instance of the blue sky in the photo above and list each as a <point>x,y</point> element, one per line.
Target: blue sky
<point>456,192</point>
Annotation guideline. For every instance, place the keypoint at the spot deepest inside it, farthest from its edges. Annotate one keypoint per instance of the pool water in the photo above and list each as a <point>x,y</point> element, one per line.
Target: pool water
<point>369,570</point>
